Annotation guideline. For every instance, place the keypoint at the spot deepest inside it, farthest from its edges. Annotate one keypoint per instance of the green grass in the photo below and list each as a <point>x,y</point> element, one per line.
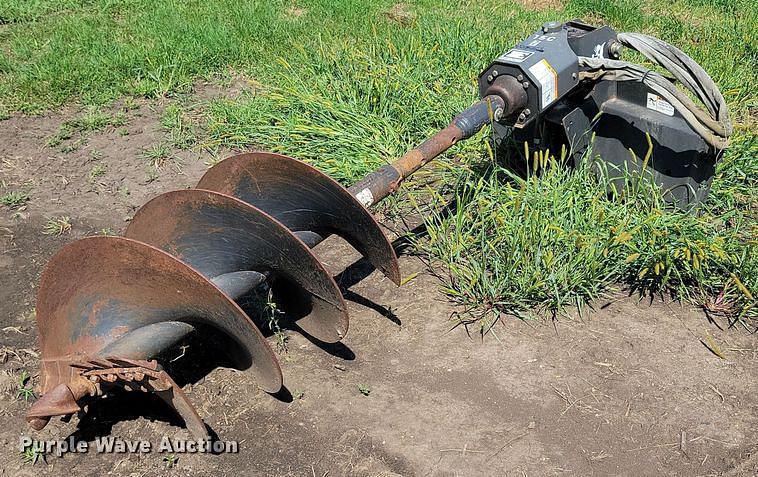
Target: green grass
<point>349,85</point>
<point>156,158</point>
<point>14,198</point>
<point>97,171</point>
<point>180,127</point>
<point>93,119</point>
<point>157,155</point>
<point>57,225</point>
<point>31,455</point>
<point>24,391</point>
<point>556,240</point>
<point>171,460</point>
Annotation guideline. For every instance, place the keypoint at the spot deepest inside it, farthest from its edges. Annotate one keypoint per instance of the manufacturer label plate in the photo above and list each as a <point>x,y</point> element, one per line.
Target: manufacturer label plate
<point>516,55</point>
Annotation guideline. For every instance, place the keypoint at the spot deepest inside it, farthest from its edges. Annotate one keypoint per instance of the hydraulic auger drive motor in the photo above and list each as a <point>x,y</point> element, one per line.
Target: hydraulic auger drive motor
<point>110,309</point>
<point>577,94</point>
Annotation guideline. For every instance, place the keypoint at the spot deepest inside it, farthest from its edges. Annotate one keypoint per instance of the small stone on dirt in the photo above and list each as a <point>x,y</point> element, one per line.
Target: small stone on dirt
<point>7,383</point>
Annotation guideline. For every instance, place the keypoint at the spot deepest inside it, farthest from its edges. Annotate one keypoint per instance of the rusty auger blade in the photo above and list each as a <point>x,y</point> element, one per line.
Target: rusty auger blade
<point>228,241</point>
<point>305,200</point>
<point>107,306</point>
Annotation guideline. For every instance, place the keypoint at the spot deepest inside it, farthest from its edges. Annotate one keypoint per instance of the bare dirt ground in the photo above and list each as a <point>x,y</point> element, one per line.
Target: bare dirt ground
<point>627,390</point>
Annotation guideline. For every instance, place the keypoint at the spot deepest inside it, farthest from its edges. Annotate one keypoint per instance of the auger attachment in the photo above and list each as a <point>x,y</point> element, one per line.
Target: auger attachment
<point>109,309</point>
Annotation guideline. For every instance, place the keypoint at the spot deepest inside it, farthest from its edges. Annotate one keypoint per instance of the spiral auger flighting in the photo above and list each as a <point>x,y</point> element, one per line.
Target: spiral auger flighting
<point>109,308</point>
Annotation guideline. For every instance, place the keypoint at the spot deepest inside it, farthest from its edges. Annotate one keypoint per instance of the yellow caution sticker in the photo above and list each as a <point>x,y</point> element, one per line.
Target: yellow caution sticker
<point>548,79</point>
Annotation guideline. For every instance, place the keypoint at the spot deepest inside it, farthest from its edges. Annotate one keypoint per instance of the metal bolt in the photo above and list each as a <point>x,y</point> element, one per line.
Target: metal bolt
<point>495,73</point>
<point>527,112</point>
<point>521,117</point>
<point>489,79</point>
<point>498,114</point>
<point>520,78</point>
<point>551,27</point>
<point>573,76</point>
<point>525,84</point>
<point>614,49</point>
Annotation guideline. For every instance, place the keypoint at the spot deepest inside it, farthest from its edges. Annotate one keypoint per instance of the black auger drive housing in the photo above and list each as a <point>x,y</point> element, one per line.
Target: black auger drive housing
<point>558,96</point>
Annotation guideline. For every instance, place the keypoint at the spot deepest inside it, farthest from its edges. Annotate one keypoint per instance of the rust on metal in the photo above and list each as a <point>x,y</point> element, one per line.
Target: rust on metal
<point>96,292</point>
<point>512,93</point>
<point>97,376</point>
<point>428,150</point>
<point>220,237</point>
<point>387,179</point>
<point>305,200</point>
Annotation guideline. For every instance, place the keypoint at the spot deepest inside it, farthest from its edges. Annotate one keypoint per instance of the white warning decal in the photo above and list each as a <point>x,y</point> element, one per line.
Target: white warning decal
<point>365,197</point>
<point>656,103</point>
<point>546,76</point>
<point>516,56</point>
<point>598,52</point>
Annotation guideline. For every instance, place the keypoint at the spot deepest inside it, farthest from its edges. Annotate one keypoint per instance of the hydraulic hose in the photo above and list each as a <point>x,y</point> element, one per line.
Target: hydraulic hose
<point>712,124</point>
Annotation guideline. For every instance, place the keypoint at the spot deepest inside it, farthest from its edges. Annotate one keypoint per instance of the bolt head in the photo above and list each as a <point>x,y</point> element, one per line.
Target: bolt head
<point>495,73</point>
<point>526,112</point>
<point>520,78</point>
<point>525,84</point>
<point>498,114</point>
<point>551,27</point>
<point>614,50</point>
<point>489,79</point>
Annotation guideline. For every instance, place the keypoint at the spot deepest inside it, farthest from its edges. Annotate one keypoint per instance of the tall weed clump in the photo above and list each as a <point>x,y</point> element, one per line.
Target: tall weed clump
<point>564,236</point>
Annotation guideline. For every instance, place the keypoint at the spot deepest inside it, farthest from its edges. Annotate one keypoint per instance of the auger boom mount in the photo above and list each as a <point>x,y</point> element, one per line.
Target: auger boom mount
<point>110,308</point>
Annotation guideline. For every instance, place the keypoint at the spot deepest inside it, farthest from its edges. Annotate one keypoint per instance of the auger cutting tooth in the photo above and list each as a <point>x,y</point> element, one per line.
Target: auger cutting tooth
<point>103,305</point>
<point>233,244</point>
<point>305,200</point>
